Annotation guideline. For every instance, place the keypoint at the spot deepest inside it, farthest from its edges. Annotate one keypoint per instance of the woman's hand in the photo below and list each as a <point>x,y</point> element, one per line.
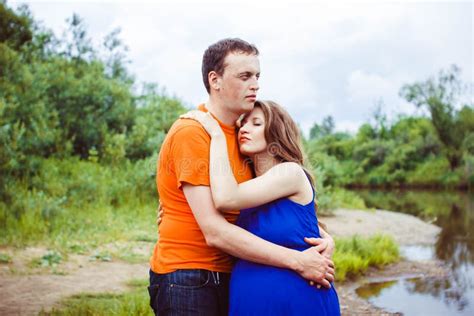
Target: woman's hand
<point>211,126</point>
<point>326,245</point>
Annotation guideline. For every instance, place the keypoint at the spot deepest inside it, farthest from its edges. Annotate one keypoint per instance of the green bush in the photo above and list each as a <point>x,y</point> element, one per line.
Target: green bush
<point>354,255</point>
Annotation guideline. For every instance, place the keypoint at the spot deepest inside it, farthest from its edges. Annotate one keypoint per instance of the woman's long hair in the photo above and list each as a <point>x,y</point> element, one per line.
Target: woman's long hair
<point>284,140</point>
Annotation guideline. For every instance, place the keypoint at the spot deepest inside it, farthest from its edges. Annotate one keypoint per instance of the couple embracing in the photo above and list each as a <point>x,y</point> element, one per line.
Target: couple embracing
<point>237,198</point>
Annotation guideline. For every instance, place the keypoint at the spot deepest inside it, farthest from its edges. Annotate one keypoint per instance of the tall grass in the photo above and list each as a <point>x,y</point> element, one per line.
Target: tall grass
<point>353,256</point>
<point>72,201</point>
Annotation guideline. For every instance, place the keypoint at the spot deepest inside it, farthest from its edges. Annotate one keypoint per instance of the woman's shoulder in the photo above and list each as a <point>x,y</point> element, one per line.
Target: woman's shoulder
<point>290,169</point>
<point>298,178</point>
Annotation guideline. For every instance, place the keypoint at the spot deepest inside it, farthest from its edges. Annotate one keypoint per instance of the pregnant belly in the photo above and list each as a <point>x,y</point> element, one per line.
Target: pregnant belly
<point>257,289</point>
<point>253,277</point>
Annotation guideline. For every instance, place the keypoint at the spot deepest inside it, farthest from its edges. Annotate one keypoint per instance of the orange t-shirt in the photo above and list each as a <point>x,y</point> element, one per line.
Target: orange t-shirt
<point>184,157</point>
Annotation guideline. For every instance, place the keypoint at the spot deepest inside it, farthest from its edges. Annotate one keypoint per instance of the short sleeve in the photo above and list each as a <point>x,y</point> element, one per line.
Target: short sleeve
<point>190,152</point>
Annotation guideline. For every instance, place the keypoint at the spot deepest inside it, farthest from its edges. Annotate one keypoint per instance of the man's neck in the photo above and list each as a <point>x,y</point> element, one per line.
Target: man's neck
<point>222,114</point>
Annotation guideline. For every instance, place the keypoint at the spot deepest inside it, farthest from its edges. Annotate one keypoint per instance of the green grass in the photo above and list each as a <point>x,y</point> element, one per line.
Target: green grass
<point>355,255</point>
<point>133,302</point>
<point>74,206</point>
<point>50,259</point>
<point>5,258</point>
<point>131,257</point>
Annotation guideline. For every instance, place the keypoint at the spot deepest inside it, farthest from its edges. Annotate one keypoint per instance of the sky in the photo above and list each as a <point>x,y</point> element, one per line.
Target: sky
<point>317,58</point>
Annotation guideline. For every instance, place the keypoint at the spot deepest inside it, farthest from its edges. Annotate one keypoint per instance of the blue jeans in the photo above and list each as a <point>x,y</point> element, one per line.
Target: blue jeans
<point>189,292</point>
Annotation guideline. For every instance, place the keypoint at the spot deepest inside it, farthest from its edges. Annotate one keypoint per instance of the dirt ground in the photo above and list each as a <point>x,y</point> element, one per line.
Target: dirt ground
<point>26,291</point>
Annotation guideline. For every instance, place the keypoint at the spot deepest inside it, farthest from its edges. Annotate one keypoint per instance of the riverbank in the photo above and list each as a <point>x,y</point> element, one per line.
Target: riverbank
<point>404,228</point>
<point>407,230</point>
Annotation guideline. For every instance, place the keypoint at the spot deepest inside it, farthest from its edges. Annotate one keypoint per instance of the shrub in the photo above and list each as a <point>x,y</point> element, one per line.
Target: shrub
<point>354,255</point>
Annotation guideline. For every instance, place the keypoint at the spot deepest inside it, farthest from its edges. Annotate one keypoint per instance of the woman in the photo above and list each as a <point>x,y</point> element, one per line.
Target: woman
<point>277,205</point>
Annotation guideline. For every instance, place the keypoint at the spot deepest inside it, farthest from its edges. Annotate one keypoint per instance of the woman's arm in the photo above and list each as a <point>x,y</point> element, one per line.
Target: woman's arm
<point>282,180</point>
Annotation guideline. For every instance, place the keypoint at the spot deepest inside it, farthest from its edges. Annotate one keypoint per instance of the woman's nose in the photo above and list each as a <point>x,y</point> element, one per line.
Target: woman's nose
<point>243,129</point>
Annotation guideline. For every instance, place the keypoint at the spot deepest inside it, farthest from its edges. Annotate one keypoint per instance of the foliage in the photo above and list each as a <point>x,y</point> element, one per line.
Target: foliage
<point>325,128</point>
<point>5,258</point>
<point>75,136</point>
<point>71,98</point>
<point>423,204</point>
<point>355,255</point>
<point>71,201</point>
<point>410,151</point>
<point>440,96</point>
<point>15,30</point>
<point>50,259</point>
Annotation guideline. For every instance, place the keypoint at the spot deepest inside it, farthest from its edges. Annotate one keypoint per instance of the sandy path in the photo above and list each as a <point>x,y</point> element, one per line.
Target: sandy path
<point>26,292</point>
<point>22,294</point>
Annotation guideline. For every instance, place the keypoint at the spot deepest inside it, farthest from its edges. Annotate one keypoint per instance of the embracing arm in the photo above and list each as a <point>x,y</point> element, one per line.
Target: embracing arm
<point>282,180</point>
<point>240,243</point>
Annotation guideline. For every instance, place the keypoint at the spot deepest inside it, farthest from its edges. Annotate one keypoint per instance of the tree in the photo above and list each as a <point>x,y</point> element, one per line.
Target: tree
<point>380,120</point>
<point>326,128</point>
<point>15,29</point>
<point>116,56</point>
<point>78,46</point>
<point>440,96</point>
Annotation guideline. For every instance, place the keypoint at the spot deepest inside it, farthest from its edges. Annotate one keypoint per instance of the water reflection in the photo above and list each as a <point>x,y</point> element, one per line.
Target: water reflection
<point>454,213</point>
<point>416,296</point>
<point>418,252</point>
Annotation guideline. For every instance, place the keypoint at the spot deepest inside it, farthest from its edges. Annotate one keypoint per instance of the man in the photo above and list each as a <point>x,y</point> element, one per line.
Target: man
<point>190,266</point>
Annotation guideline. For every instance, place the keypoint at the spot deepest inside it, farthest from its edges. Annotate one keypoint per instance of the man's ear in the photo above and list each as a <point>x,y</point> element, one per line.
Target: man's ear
<point>214,80</point>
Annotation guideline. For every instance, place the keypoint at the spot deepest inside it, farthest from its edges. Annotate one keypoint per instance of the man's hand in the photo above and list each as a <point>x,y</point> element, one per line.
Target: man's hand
<point>159,214</point>
<point>315,267</point>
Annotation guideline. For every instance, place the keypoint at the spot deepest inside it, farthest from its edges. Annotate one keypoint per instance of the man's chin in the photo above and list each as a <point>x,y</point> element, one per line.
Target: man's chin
<point>248,106</point>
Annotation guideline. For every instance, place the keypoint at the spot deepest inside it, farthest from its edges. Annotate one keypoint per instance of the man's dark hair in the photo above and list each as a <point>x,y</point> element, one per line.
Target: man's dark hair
<point>213,59</point>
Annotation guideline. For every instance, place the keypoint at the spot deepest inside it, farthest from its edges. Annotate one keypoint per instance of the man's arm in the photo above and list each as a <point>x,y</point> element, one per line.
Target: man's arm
<point>238,242</point>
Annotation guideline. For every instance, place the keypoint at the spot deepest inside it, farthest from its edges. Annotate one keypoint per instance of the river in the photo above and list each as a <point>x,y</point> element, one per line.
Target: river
<point>452,211</point>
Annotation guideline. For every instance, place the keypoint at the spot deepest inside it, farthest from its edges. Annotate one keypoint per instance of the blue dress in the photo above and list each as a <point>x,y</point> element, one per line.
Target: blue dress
<point>257,289</point>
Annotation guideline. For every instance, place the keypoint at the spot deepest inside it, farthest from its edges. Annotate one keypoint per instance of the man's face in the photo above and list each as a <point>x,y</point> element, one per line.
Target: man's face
<point>239,82</point>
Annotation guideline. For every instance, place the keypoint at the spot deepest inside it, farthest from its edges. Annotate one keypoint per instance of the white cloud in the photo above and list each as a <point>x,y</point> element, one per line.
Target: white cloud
<point>317,59</point>
<point>363,86</point>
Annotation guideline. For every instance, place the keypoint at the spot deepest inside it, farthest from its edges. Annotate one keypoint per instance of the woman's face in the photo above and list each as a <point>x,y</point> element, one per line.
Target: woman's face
<point>252,133</point>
